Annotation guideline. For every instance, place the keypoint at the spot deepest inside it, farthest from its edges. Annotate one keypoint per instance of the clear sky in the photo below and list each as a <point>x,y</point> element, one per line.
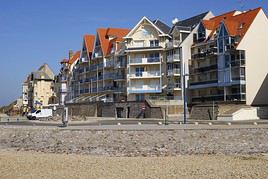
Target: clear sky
<point>33,32</point>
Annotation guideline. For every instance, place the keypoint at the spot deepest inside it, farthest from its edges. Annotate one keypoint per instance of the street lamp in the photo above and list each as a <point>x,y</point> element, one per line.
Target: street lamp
<point>184,96</point>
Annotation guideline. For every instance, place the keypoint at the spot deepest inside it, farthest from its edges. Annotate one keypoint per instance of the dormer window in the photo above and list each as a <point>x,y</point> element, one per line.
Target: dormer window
<point>201,33</point>
<point>241,26</point>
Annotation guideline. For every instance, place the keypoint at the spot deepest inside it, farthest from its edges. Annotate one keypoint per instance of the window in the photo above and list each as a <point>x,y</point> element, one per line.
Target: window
<point>220,44</point>
<point>139,71</point>
<point>201,33</point>
<point>242,55</point>
<point>194,37</point>
<point>227,61</point>
<point>223,39</point>
<point>154,43</point>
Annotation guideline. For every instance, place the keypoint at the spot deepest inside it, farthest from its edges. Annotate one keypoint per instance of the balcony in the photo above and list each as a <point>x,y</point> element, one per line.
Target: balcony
<point>174,72</point>
<point>108,88</point>
<point>220,97</point>
<point>203,82</point>
<point>173,87</point>
<point>96,66</point>
<point>238,63</point>
<point>119,77</point>
<point>121,89</point>
<point>108,76</point>
<point>94,78</point>
<point>173,44</point>
<point>108,64</point>
<point>200,55</point>
<point>120,65</point>
<point>149,60</point>
<point>201,69</point>
<point>81,70</point>
<point>145,74</point>
<point>173,58</point>
<point>144,89</point>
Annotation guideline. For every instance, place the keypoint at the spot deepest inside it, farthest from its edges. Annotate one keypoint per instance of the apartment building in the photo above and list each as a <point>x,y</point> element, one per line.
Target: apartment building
<point>105,72</point>
<point>145,47</point>
<point>69,81</point>
<point>229,59</point>
<point>82,71</point>
<point>178,52</point>
<point>41,87</point>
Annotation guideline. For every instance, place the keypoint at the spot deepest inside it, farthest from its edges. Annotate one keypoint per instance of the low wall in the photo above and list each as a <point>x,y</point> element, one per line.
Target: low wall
<point>123,110</point>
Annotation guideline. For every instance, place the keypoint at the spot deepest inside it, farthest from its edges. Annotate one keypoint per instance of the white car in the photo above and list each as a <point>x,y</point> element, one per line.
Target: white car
<point>40,114</point>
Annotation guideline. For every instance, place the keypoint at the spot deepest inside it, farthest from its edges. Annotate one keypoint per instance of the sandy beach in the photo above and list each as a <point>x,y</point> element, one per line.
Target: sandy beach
<point>25,165</point>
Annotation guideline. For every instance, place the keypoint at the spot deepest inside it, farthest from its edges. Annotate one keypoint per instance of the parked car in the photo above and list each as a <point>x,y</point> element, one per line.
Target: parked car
<point>40,114</point>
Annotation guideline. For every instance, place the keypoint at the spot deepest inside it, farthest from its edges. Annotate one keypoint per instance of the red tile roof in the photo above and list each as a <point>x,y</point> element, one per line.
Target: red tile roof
<point>75,57</point>
<point>89,41</point>
<point>105,33</point>
<point>214,22</point>
<point>236,25</point>
<point>239,24</point>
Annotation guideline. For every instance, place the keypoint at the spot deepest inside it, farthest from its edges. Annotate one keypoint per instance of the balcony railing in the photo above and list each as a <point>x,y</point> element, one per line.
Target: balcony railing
<point>145,60</point>
<point>173,43</point>
<point>237,63</point>
<point>146,74</point>
<point>203,82</point>
<point>95,66</point>
<point>144,89</point>
<point>108,76</point>
<point>205,68</point>
<point>173,86</point>
<point>121,89</point>
<point>119,77</point>
<point>164,98</point>
<point>220,97</point>
<point>108,88</point>
<point>120,65</point>
<point>172,58</point>
<point>108,64</point>
<point>175,71</point>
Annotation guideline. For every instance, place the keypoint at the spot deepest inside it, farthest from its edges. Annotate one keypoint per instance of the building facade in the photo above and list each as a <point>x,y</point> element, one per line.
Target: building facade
<point>145,47</point>
<point>178,52</point>
<point>41,87</point>
<point>225,65</point>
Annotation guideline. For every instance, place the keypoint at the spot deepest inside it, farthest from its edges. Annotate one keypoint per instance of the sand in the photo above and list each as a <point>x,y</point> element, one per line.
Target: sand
<point>26,165</point>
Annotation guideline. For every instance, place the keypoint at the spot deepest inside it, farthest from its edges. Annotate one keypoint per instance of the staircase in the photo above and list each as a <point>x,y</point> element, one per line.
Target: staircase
<point>173,107</point>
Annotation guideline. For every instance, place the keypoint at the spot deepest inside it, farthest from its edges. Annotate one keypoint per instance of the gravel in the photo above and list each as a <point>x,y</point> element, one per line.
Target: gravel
<point>135,143</point>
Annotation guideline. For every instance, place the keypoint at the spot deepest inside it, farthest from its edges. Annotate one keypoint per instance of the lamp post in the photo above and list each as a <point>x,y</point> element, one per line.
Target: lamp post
<point>184,96</point>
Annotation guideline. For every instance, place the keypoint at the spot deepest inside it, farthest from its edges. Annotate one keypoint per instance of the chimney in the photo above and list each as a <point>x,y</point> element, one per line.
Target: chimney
<point>71,54</point>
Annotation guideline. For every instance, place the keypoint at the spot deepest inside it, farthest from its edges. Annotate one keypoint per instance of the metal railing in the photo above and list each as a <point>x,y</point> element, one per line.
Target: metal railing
<point>145,74</point>
<point>175,71</point>
<point>145,60</point>
<point>172,58</point>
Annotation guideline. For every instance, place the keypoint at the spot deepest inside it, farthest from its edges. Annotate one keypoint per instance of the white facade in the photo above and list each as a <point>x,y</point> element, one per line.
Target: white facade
<point>145,52</point>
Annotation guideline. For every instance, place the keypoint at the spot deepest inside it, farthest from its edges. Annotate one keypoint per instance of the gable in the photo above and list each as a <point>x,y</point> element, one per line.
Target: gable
<point>145,31</point>
<point>145,22</point>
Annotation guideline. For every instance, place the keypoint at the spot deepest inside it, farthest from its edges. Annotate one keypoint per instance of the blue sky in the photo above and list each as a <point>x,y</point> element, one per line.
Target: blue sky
<point>33,32</point>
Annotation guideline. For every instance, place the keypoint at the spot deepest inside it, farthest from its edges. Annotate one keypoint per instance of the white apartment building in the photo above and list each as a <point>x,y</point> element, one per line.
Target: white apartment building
<point>145,47</point>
